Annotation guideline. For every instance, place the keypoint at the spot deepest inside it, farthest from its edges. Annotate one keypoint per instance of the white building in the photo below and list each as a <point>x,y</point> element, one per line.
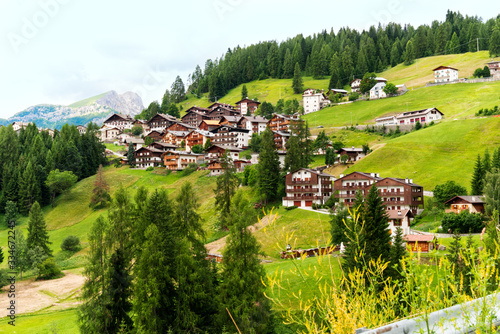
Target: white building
<point>305,186</point>
<point>401,219</point>
<point>255,124</point>
<point>411,117</point>
<point>445,74</point>
<point>377,91</point>
<point>227,135</point>
<point>312,101</point>
<point>355,85</point>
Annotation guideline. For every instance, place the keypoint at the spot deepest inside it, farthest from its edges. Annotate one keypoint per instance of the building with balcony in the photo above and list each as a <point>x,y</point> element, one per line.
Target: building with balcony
<point>280,139</point>
<point>208,124</point>
<point>178,160</point>
<point>175,137</point>
<point>397,194</point>
<point>314,100</point>
<point>305,186</point>
<point>445,74</point>
<point>247,106</point>
<point>193,118</point>
<point>377,91</point>
<point>215,152</point>
<point>148,157</point>
<point>401,219</point>
<point>119,121</point>
<point>473,204</point>
<point>230,136</point>
<point>160,122</point>
<point>197,137</point>
<point>354,153</point>
<point>411,117</point>
<point>494,67</point>
<point>281,122</point>
<point>255,124</point>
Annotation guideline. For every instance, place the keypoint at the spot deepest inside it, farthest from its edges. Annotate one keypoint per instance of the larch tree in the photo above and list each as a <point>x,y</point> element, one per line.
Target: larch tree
<point>100,194</point>
<point>37,230</point>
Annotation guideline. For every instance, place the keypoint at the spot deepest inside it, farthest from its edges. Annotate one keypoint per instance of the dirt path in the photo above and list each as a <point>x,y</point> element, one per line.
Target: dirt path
<point>215,247</point>
<point>33,295</point>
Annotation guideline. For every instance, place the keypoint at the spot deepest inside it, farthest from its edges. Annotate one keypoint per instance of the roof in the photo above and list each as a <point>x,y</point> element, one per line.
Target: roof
<point>133,140</point>
<point>165,145</point>
<point>167,117</point>
<point>343,91</point>
<point>218,104</point>
<point>313,171</point>
<point>418,112</point>
<point>230,128</point>
<point>193,112</point>
<point>419,238</point>
<point>182,153</point>
<point>380,79</point>
<point>400,181</point>
<point>494,62</point>
<point>282,133</point>
<point>184,125</point>
<point>444,67</point>
<point>203,133</point>
<point>470,199</point>
<point>378,86</point>
<point>211,121</point>
<point>226,147</point>
<point>195,108</point>
<point>179,133</point>
<point>395,214</point>
<point>402,85</point>
<point>369,175</point>
<point>384,118</point>
<point>234,119</point>
<point>248,100</point>
<point>125,117</point>
<point>149,148</point>
<point>351,149</point>
<point>256,119</point>
<point>350,83</point>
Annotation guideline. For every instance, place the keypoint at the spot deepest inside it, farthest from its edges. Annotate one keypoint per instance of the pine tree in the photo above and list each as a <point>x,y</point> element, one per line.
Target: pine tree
<point>455,256</point>
<point>241,291</point>
<point>355,257</point>
<point>269,167</point>
<point>165,102</point>
<point>288,65</point>
<point>473,35</point>
<point>297,85</point>
<point>131,155</point>
<point>29,189</point>
<point>244,92</point>
<point>119,292</point>
<point>100,194</point>
<point>188,221</point>
<point>454,46</point>
<point>477,183</point>
<point>495,43</point>
<point>11,214</point>
<point>338,222</point>
<point>22,259</point>
<point>495,163</point>
<point>395,54</point>
<point>410,53</point>
<point>377,224</point>
<point>396,254</point>
<point>486,162</point>
<point>177,91</point>
<point>37,230</point>
<point>225,187</point>
<point>293,157</point>
<point>492,191</point>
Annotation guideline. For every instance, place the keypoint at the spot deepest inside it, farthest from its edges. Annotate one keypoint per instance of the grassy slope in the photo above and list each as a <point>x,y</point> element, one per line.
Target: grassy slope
<point>436,154</point>
<point>87,101</point>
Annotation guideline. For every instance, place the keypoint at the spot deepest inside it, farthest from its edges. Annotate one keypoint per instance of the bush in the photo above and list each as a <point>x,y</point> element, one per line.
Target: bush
<point>478,73</point>
<point>331,202</point>
<point>150,168</point>
<point>71,243</point>
<point>354,96</point>
<point>192,167</point>
<point>288,208</point>
<point>4,277</point>
<point>464,222</point>
<point>48,269</point>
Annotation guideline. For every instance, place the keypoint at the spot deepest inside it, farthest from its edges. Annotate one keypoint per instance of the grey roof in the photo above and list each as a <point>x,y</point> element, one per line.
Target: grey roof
<point>343,91</point>
<point>134,140</point>
<point>352,149</point>
<point>378,86</point>
<point>470,199</point>
<point>227,147</point>
<point>283,134</point>
<point>149,148</point>
<point>179,133</point>
<point>418,112</point>
<point>257,119</point>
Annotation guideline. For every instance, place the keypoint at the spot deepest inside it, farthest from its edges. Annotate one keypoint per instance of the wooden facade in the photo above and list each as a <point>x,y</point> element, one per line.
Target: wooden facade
<point>178,160</point>
<point>247,106</point>
<point>194,118</point>
<point>156,135</point>
<point>119,121</point>
<point>353,153</point>
<point>161,121</point>
<point>174,137</point>
<point>472,204</point>
<point>208,124</point>
<point>215,152</point>
<point>148,157</point>
<point>417,242</point>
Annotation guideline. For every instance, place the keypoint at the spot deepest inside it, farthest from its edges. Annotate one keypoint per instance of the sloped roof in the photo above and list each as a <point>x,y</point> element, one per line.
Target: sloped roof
<point>378,86</point>
<point>418,238</point>
<point>470,199</point>
<point>418,112</point>
<point>396,214</point>
<point>444,67</point>
<point>247,100</point>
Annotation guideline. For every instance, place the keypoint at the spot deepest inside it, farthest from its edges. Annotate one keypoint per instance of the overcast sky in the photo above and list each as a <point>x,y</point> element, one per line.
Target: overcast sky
<point>62,51</point>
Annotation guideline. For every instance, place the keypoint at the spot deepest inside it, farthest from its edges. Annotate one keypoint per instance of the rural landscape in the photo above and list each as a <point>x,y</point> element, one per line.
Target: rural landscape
<point>343,182</point>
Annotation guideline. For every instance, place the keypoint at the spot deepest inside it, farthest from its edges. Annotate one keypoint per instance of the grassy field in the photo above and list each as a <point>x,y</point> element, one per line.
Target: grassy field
<point>436,154</point>
<point>43,323</point>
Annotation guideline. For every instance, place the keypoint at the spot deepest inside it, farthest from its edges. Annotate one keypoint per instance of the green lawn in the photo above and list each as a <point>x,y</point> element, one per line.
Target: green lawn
<point>115,148</point>
<point>43,323</point>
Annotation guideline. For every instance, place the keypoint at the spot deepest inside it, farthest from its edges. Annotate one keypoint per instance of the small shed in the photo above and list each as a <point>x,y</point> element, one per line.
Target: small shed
<point>416,242</point>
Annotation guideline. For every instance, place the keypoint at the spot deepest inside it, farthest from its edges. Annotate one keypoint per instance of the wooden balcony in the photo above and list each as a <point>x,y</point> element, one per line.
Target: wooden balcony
<point>302,190</point>
<point>302,198</point>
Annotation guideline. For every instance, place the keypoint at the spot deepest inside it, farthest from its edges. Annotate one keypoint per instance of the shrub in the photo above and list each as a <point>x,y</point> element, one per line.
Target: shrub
<point>464,222</point>
<point>331,202</point>
<point>192,167</point>
<point>48,269</point>
<point>71,243</point>
<point>288,208</point>
<point>354,96</point>
<point>478,73</point>
<point>150,168</point>
<point>4,277</point>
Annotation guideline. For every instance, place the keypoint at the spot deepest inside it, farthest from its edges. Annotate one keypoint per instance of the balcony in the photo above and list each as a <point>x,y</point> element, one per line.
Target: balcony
<point>295,181</point>
<point>302,198</point>
<point>302,190</point>
<point>361,187</point>
<point>388,193</point>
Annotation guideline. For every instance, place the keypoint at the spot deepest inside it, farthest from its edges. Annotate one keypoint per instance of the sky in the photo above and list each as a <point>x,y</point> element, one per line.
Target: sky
<point>63,51</point>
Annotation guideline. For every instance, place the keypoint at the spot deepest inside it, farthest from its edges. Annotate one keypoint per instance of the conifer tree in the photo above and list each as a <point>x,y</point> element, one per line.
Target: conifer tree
<point>293,157</point>
<point>244,92</point>
<point>355,257</point>
<point>131,155</point>
<point>120,292</point>
<point>376,224</point>
<point>338,221</point>
<point>477,183</point>
<point>288,65</point>
<point>22,259</point>
<point>100,194</point>
<point>165,102</point>
<point>455,256</point>
<point>297,85</point>
<point>495,43</point>
<point>241,291</point>
<point>37,230</point>
<point>226,184</point>
<point>397,253</point>
<point>491,191</point>
<point>11,214</point>
<point>495,163</point>
<point>486,162</point>
<point>29,188</point>
<point>269,167</point>
<point>409,53</point>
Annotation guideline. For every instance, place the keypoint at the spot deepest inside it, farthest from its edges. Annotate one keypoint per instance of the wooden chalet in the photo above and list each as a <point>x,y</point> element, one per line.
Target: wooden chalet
<point>215,152</point>
<point>227,135</point>
<point>355,85</point>
<point>282,122</point>
<point>119,121</point>
<point>178,160</point>
<point>148,157</point>
<point>218,112</point>
<point>217,104</point>
<point>305,186</point>
<point>141,123</point>
<point>161,121</point>
<point>230,120</point>
<point>174,137</point>
<point>199,109</point>
<point>135,142</point>
<point>194,118</point>
<point>109,134</point>
<point>418,242</point>
<point>353,153</point>
<point>180,127</point>
<point>247,106</point>
<point>473,204</point>
<point>494,67</point>
<point>215,168</point>
<point>401,219</point>
<point>156,135</point>
<point>163,146</point>
<point>197,137</point>
<point>281,138</point>
<point>208,124</point>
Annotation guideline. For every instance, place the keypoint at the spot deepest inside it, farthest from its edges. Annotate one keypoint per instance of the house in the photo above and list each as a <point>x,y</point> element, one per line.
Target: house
<point>180,127</point>
<point>396,194</point>
<point>193,118</point>
<point>240,165</point>
<point>215,152</point>
<point>17,126</point>
<point>377,91</point>
<point>445,74</point>
<point>336,91</point>
<point>163,146</point>
<point>419,242</point>
<point>161,121</point>
<point>136,142</point>
<point>123,136</point>
<point>379,79</point>
<point>401,219</point>
<point>217,104</point>
<point>109,134</point>
<point>255,124</point>
<point>355,85</point>
<point>215,168</point>
<point>280,122</point>
<point>81,129</point>
<point>247,106</point>
<point>140,123</point>
<point>175,137</point>
<point>229,120</point>
<point>178,160</point>
<point>208,124</point>
<point>422,116</point>
<point>313,100</point>
<point>220,111</point>
<point>148,157</point>
<point>411,117</point>
<point>305,186</point>
<point>353,153</point>
<point>197,137</point>
<point>401,89</point>
<point>494,67</point>
<point>227,135</point>
<point>473,204</point>
<point>199,110</point>
<point>280,139</point>
<point>156,135</point>
<point>119,121</point>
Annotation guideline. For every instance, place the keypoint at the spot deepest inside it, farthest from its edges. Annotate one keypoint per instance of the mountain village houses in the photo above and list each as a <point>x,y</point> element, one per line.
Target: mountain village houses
<point>494,67</point>
<point>411,117</point>
<point>445,74</point>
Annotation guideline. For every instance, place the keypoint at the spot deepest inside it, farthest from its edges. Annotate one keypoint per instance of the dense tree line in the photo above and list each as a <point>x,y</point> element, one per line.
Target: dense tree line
<point>343,55</point>
<point>28,158</point>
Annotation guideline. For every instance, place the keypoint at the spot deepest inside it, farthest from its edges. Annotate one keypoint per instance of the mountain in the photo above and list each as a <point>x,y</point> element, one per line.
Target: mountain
<point>94,109</point>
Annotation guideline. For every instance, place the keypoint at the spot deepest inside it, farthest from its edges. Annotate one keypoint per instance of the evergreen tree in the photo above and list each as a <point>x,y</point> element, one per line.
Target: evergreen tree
<point>60,182</point>
<point>321,142</point>
<point>269,167</point>
<point>495,163</point>
<point>377,224</point>
<point>455,257</point>
<point>22,259</point>
<point>288,65</point>
<point>297,85</point>
<point>244,92</point>
<point>177,91</point>
<point>165,102</point>
<point>338,221</point>
<point>495,43</point>
<point>396,254</point>
<point>477,183</point>
<point>11,214</point>
<point>188,221</point>
<point>454,46</point>
<point>29,189</point>
<point>486,162</point>
<point>241,291</point>
<point>100,194</point>
<point>37,230</point>
<point>410,53</point>
<point>120,292</point>
<point>226,185</point>
<point>395,54</point>
<point>355,258</point>
<point>492,191</point>
<point>293,157</point>
<point>131,155</point>
<point>173,110</point>
<point>473,35</point>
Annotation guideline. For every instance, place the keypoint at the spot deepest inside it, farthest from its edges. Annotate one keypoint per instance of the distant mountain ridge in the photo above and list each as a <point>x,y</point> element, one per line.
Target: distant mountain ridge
<point>94,109</point>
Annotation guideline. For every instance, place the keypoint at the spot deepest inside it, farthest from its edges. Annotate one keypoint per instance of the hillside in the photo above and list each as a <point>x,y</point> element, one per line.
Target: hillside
<point>94,109</point>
